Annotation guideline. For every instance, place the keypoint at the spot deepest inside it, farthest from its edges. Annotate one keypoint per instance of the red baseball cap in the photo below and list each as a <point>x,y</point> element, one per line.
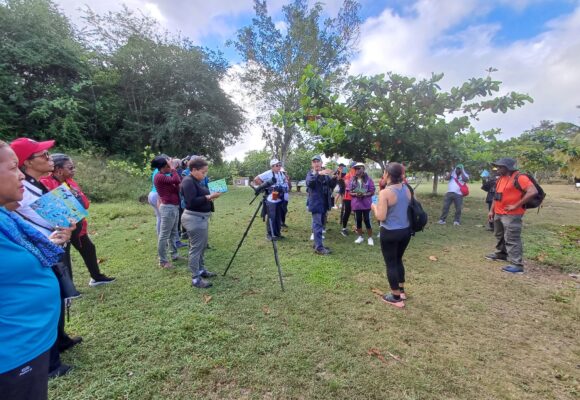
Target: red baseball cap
<point>25,147</point>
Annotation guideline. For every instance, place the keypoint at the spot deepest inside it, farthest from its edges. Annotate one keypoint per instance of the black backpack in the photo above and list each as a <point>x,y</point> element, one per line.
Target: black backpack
<point>417,216</point>
<point>535,201</point>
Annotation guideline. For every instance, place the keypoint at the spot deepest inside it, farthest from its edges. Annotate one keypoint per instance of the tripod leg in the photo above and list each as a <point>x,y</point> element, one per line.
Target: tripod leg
<point>275,246</point>
<point>243,237</point>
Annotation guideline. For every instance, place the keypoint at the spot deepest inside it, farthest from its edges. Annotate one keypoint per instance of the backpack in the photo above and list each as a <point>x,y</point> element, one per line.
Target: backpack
<point>417,216</point>
<point>535,201</point>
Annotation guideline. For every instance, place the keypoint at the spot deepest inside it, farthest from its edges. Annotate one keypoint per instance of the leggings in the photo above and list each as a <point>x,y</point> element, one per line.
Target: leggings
<point>346,210</point>
<point>359,215</point>
<point>393,245</point>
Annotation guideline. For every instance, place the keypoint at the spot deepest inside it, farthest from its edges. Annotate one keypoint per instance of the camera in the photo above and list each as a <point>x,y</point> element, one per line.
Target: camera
<point>497,196</point>
<point>264,186</point>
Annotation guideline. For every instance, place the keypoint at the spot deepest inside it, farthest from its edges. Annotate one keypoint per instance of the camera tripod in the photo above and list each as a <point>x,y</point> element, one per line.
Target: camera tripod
<point>274,245</point>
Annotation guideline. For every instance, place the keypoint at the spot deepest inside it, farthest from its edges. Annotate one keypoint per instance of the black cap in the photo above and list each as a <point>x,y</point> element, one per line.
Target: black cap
<point>158,162</point>
<point>509,163</point>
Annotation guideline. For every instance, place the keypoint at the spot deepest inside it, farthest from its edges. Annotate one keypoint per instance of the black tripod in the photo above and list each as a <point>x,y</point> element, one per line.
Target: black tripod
<point>274,245</point>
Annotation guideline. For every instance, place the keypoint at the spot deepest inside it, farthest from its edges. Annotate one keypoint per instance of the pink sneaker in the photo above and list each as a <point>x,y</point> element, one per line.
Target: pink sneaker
<point>403,296</point>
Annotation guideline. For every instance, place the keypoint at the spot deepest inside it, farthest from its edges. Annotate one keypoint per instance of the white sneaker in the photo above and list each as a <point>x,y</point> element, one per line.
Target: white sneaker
<point>379,235</point>
<point>324,231</point>
<point>371,242</point>
<point>441,222</point>
<point>312,236</point>
<point>455,223</point>
<point>359,240</point>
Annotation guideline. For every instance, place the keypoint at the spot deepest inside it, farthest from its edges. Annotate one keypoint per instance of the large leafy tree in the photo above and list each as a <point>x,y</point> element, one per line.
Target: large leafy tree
<point>276,57</point>
<point>42,70</point>
<point>159,90</point>
<point>394,117</point>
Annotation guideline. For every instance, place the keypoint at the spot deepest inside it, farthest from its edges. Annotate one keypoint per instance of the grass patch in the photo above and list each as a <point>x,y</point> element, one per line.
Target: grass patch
<point>468,331</point>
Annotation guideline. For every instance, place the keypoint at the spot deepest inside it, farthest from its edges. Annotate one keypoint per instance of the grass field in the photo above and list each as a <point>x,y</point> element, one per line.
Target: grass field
<point>469,331</point>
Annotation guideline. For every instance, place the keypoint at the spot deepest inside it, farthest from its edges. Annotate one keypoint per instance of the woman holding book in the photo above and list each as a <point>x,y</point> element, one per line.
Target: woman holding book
<point>63,174</point>
<point>29,291</point>
<point>362,189</point>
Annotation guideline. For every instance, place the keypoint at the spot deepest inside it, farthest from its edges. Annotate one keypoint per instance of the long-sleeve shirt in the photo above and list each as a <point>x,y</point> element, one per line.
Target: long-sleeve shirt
<point>168,187</point>
<point>194,195</point>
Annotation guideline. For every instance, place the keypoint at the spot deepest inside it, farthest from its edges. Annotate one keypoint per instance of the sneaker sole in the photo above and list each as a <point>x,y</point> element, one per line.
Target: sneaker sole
<point>93,284</point>
<point>494,259</point>
<point>399,304</point>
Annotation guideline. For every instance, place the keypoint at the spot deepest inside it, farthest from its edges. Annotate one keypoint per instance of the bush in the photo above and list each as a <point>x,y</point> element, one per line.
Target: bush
<point>113,180</point>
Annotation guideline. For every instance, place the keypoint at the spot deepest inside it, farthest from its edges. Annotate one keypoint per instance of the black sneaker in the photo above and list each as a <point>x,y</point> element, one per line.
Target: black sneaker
<point>200,283</point>
<point>494,257</point>
<point>60,371</point>
<point>322,252</point>
<point>102,280</point>
<point>207,274</point>
<point>70,343</point>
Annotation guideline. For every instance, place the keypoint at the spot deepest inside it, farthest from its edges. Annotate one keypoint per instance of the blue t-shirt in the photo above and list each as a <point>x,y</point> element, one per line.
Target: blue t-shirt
<point>29,306</point>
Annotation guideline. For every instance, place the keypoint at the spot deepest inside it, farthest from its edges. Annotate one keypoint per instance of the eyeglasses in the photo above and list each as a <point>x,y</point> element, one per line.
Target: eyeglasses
<point>44,154</point>
<point>278,165</point>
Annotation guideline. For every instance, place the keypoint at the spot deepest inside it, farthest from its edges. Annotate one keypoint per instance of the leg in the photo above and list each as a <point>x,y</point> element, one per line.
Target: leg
<point>401,247</point>
<point>513,239</point>
<point>389,248</point>
<point>152,199</point>
<point>446,204</point>
<point>458,202</point>
<point>28,381</point>
<point>347,211</point>
<point>174,238</point>
<point>499,233</point>
<point>271,210</point>
<point>88,252</point>
<point>367,220</point>
<point>165,232</point>
<point>317,230</point>
<point>197,231</point>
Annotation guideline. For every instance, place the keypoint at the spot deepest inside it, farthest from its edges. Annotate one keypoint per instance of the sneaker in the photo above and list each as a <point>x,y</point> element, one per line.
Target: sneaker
<point>494,257</point>
<point>379,235</point>
<point>455,223</point>
<point>268,238</point>
<point>207,274</point>
<point>403,296</point>
<point>344,232</point>
<point>324,231</point>
<point>359,240</point>
<point>312,236</point>
<point>370,241</point>
<point>166,265</point>
<point>284,226</point>
<point>70,343</point>
<point>178,258</point>
<point>60,371</point>
<point>323,251</point>
<point>180,244</point>
<point>441,222</point>
<point>200,283</point>
<point>101,281</point>
<point>512,269</point>
<point>390,299</point>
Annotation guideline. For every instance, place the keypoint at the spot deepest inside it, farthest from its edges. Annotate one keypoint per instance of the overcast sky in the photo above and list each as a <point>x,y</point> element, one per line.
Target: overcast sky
<point>534,44</point>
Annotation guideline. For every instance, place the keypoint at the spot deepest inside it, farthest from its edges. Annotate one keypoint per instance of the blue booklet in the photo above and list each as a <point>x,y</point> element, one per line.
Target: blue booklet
<point>59,207</point>
<point>218,186</point>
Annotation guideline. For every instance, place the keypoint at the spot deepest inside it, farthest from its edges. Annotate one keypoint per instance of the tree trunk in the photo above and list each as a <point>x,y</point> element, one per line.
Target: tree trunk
<point>435,182</point>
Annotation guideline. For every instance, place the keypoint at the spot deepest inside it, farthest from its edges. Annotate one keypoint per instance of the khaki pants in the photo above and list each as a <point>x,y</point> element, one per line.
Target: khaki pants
<point>508,232</point>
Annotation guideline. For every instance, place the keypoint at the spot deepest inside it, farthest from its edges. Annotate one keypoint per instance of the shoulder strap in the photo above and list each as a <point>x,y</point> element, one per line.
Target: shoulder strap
<point>517,182</point>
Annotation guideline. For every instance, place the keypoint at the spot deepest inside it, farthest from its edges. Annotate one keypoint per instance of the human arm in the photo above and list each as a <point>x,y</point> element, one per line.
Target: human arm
<point>382,205</point>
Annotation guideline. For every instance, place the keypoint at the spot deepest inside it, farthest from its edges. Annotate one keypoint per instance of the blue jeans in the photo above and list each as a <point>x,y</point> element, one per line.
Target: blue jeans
<point>167,231</point>
<point>152,199</point>
<point>318,220</point>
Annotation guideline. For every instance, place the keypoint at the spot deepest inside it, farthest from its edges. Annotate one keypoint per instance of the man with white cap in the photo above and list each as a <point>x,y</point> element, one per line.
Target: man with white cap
<point>273,203</point>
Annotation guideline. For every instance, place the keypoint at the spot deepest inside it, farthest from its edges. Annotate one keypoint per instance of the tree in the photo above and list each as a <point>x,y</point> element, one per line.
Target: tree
<point>394,117</point>
<point>165,92</point>
<point>256,162</point>
<point>42,70</point>
<point>275,59</point>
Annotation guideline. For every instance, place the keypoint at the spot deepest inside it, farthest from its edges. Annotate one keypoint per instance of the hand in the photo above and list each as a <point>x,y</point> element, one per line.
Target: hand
<point>215,195</point>
<point>510,207</point>
<point>490,216</point>
<point>325,172</point>
<point>61,235</point>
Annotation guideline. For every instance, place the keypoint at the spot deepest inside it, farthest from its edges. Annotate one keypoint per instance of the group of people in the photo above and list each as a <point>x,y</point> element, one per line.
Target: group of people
<point>36,255</point>
<point>36,269</point>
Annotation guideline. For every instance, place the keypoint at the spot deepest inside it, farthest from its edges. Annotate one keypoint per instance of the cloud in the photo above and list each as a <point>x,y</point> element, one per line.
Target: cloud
<point>425,41</point>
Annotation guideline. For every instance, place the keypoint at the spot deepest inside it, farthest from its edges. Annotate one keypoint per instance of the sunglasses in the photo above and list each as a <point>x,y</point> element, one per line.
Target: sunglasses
<point>44,154</point>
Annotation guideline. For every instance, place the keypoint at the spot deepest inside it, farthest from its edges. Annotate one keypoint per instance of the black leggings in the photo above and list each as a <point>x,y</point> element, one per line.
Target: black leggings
<point>393,245</point>
<point>88,252</point>
<point>359,215</point>
<point>346,210</point>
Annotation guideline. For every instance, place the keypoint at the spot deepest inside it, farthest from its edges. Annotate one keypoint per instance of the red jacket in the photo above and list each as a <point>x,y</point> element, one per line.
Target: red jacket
<point>52,183</point>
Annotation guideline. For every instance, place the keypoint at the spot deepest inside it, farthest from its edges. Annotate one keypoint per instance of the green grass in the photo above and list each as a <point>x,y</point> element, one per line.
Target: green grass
<point>469,331</point>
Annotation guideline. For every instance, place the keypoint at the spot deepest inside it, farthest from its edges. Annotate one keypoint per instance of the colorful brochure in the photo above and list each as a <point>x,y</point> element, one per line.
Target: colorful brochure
<point>59,207</point>
<point>219,186</point>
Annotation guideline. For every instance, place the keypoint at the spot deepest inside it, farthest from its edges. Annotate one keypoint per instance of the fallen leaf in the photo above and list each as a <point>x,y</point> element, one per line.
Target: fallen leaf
<point>102,297</point>
<point>378,292</point>
<point>266,310</point>
<point>101,260</point>
<point>206,298</point>
<point>394,356</point>
<point>376,353</point>
<point>433,258</point>
<point>138,239</point>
